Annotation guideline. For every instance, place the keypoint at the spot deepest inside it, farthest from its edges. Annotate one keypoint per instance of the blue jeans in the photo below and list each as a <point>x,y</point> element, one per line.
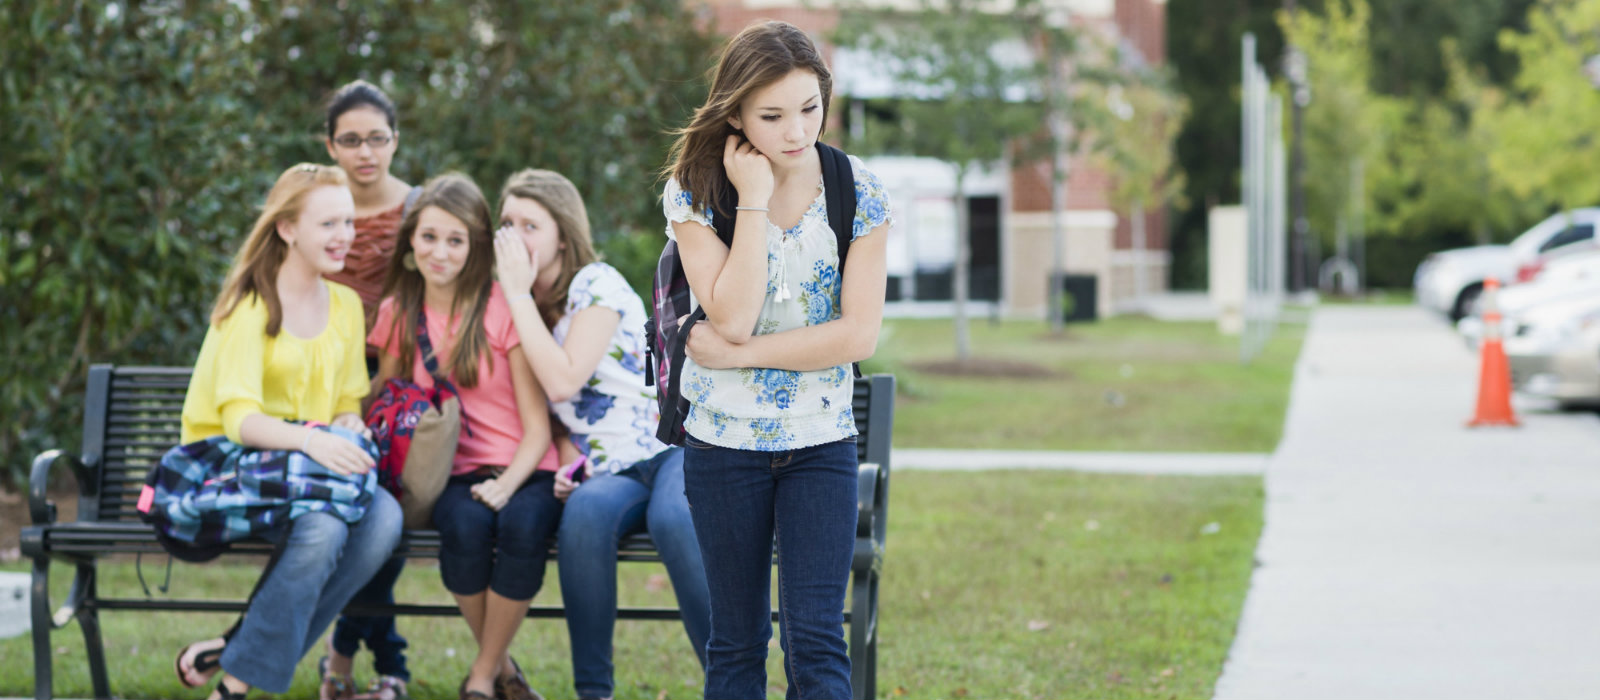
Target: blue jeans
<point>805,499</point>
<point>647,496</point>
<point>387,646</point>
<point>503,551</point>
<point>323,563</point>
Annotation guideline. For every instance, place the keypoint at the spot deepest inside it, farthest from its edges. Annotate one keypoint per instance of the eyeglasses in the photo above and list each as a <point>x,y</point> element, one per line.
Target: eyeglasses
<point>354,141</point>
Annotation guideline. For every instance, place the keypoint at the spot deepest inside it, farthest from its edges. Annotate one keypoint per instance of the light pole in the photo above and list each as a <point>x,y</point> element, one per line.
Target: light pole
<point>1295,69</point>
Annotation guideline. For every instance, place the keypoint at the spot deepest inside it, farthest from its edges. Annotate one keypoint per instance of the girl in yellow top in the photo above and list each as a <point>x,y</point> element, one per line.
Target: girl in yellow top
<point>286,347</point>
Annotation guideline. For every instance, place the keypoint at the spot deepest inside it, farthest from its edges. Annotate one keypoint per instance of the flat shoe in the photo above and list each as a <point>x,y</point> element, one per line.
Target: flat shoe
<point>515,687</point>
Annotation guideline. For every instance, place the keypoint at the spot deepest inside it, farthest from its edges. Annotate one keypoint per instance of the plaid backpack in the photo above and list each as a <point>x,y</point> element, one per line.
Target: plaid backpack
<point>669,296</point>
<point>206,494</point>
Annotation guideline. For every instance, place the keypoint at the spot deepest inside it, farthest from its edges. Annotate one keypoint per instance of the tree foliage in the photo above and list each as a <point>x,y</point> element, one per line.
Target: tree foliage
<point>141,136</point>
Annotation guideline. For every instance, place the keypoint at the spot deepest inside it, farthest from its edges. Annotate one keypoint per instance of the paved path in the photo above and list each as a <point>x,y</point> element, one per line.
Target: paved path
<point>1405,556</point>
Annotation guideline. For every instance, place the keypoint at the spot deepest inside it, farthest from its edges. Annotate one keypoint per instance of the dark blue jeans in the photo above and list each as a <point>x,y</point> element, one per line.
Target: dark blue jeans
<point>383,640</point>
<point>647,496</point>
<point>503,551</point>
<point>742,501</point>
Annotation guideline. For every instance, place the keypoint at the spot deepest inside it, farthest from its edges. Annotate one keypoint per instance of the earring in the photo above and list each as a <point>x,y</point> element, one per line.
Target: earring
<point>409,262</point>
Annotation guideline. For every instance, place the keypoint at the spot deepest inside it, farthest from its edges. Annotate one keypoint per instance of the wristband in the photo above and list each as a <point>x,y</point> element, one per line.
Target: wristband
<point>524,295</point>
<point>303,443</point>
<point>760,209</point>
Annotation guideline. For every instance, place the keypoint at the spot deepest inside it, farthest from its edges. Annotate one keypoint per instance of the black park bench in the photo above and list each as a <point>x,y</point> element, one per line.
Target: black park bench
<point>132,416</point>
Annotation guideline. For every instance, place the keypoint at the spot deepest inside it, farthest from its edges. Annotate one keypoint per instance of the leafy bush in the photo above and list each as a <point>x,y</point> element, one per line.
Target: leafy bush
<point>140,137</point>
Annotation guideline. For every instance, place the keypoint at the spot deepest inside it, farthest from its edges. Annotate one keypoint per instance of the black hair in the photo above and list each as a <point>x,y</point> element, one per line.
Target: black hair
<point>358,93</point>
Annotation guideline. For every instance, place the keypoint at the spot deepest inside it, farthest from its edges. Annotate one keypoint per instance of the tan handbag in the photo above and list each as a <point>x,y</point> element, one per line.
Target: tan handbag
<point>428,462</point>
<point>417,431</point>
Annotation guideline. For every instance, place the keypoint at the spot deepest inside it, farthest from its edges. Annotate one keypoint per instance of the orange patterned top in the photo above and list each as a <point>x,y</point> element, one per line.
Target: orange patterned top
<point>368,261</point>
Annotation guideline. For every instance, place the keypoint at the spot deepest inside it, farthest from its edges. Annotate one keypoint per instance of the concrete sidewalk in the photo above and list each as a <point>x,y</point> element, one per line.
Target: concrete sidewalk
<point>1406,556</point>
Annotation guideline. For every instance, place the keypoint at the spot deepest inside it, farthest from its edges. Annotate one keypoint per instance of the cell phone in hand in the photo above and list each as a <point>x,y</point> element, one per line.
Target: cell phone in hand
<point>575,472</point>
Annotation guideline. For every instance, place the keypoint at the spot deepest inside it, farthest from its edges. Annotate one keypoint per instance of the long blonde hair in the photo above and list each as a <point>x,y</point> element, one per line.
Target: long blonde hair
<point>759,56</point>
<point>458,195</point>
<point>255,267</point>
<point>560,197</point>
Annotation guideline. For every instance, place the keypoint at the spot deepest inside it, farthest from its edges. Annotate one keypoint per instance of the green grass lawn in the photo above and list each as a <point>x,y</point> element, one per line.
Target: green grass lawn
<point>997,584</point>
<point>1126,383</point>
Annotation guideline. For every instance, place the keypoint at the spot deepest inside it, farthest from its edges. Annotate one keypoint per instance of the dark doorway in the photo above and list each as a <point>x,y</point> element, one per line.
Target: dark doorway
<point>984,213</point>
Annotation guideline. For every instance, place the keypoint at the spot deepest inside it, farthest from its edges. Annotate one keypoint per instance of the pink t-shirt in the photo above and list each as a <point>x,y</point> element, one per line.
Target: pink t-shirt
<point>489,410</point>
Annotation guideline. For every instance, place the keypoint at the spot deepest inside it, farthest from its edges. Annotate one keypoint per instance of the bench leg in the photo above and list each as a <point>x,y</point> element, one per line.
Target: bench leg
<point>43,688</point>
<point>864,636</point>
<point>89,621</point>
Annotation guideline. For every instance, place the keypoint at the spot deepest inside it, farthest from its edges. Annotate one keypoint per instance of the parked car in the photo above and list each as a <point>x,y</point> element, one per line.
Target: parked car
<point>1450,281</point>
<point>1554,352</point>
<point>1573,276</point>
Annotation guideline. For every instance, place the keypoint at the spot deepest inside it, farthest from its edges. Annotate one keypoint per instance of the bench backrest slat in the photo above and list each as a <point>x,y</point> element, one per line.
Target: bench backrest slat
<point>133,415</point>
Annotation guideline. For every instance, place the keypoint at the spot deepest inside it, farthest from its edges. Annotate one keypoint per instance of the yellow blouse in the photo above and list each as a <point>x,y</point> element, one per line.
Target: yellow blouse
<point>242,371</point>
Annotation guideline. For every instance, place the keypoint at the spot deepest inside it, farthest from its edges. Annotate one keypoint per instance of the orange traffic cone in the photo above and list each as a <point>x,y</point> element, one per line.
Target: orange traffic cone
<point>1494,383</point>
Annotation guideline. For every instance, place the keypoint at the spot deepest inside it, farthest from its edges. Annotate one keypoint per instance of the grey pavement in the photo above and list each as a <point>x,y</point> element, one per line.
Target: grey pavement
<point>1405,556</point>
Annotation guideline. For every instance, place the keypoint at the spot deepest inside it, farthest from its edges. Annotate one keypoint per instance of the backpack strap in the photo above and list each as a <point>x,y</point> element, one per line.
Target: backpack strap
<point>839,182</point>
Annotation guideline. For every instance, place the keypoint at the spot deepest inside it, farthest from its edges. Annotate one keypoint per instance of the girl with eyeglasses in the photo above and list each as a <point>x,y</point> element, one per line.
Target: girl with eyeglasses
<point>362,138</point>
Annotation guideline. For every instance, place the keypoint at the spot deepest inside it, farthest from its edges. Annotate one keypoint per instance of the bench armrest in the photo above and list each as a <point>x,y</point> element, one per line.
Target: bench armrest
<point>43,512</point>
<point>872,516</point>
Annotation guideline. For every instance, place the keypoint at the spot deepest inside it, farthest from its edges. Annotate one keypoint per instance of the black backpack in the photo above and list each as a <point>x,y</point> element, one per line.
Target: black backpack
<point>669,296</point>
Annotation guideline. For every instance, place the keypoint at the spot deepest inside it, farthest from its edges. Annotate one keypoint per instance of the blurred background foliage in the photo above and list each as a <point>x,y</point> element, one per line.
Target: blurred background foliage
<point>140,138</point>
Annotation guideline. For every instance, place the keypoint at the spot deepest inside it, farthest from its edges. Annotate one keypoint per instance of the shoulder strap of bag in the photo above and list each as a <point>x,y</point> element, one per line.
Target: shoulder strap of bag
<point>430,362</point>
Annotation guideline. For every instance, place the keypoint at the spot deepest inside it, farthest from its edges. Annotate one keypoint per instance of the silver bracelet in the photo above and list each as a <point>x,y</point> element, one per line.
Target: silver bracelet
<point>760,209</point>
<point>309,432</point>
<point>527,295</point>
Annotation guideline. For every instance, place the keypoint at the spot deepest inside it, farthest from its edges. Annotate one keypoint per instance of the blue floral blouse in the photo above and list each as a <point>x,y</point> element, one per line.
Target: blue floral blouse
<point>613,417</point>
<point>772,410</point>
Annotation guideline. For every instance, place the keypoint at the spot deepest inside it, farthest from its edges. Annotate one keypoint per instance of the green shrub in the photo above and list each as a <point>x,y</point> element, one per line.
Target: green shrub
<point>140,138</point>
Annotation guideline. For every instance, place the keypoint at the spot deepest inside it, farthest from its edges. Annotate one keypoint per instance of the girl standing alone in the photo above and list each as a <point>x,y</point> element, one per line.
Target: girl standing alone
<point>770,448</point>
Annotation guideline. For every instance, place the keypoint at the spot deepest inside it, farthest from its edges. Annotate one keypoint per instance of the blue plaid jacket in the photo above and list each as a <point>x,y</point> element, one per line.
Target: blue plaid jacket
<point>216,491</point>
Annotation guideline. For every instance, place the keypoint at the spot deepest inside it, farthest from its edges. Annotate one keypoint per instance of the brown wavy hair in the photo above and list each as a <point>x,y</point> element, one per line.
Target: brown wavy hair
<point>560,197</point>
<point>459,196</point>
<point>759,56</point>
<point>255,266</point>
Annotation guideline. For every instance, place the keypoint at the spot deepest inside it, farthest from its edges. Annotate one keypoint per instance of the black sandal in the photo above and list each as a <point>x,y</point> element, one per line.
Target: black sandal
<point>204,662</point>
<point>225,694</point>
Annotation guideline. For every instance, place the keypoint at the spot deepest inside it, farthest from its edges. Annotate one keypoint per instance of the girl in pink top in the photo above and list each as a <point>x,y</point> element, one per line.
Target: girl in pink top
<point>499,507</point>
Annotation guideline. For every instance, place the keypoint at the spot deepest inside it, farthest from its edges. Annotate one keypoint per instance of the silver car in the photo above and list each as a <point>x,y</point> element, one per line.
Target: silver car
<point>1554,352</point>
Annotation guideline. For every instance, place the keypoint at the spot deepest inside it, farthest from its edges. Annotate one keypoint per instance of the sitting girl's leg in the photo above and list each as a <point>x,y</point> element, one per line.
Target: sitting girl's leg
<point>268,645</point>
<point>523,531</point>
<point>369,545</point>
<point>672,528</point>
<point>595,519</point>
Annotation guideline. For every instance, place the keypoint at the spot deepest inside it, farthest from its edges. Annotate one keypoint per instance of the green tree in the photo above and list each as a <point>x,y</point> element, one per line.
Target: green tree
<point>122,195</point>
<point>1347,125</point>
<point>1139,152</point>
<point>1541,139</point>
<point>967,65</point>
<point>140,136</point>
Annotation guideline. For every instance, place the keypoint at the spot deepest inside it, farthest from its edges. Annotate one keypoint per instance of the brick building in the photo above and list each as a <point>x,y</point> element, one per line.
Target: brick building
<point>1009,207</point>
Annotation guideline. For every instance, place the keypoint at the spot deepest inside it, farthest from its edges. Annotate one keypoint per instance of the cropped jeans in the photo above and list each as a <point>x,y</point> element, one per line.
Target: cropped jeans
<point>804,500</point>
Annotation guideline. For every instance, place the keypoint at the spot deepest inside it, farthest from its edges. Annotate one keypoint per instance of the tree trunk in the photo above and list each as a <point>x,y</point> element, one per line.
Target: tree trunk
<point>963,263</point>
<point>1139,271</point>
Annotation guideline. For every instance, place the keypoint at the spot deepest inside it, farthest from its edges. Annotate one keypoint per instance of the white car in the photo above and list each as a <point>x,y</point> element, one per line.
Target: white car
<point>1554,352</point>
<point>1449,281</point>
<point>1564,278</point>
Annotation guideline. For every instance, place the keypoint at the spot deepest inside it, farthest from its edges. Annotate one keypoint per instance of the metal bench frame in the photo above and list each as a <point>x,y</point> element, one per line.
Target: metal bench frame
<point>131,417</point>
